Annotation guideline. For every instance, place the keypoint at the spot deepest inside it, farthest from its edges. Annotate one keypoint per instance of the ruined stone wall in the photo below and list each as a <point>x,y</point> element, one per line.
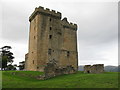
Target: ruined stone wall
<point>97,68</point>
<point>51,39</point>
<point>52,69</point>
<point>87,68</point>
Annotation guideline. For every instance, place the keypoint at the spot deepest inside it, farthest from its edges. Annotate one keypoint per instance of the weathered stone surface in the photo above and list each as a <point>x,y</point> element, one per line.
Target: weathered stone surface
<point>52,70</point>
<point>51,38</point>
<point>41,77</point>
<point>97,68</point>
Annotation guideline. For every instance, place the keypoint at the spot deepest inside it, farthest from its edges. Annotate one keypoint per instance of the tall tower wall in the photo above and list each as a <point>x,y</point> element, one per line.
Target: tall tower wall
<point>68,54</point>
<point>50,38</point>
<point>32,55</point>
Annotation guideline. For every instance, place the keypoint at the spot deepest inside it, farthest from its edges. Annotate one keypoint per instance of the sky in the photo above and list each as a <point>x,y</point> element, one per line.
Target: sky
<point>97,21</point>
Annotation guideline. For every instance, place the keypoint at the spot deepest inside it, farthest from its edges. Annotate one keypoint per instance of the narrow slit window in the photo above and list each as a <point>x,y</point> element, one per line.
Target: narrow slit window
<point>50,19</point>
<point>34,37</point>
<point>68,53</point>
<point>50,36</point>
<point>33,61</point>
<point>50,28</point>
<point>34,27</point>
<point>49,51</point>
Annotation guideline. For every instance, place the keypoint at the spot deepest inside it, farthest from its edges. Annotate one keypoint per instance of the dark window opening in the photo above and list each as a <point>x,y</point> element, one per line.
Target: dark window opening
<point>50,28</point>
<point>33,61</point>
<point>50,36</point>
<point>49,51</point>
<point>53,50</point>
<point>88,71</point>
<point>50,19</point>
<point>34,37</point>
<point>37,67</point>
<point>68,53</point>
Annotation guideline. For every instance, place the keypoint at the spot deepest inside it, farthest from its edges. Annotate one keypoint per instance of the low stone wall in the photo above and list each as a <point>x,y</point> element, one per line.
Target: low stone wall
<point>52,70</point>
<point>97,68</point>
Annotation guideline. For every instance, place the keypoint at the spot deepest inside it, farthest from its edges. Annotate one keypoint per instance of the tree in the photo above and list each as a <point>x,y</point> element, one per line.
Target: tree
<point>21,65</point>
<point>7,57</point>
<point>11,67</point>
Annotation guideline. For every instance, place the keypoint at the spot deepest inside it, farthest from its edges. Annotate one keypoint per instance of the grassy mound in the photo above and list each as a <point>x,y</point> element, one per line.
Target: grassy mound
<point>26,79</point>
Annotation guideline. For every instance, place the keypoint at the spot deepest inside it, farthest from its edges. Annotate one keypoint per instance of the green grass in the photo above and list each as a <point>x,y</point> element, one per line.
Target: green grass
<point>26,79</point>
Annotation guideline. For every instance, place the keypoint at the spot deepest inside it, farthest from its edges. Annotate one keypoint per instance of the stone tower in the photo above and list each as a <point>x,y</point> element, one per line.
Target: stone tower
<point>51,38</point>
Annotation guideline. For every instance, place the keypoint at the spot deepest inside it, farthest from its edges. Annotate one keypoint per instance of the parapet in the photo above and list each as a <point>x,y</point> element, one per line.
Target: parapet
<point>47,12</point>
<point>67,24</point>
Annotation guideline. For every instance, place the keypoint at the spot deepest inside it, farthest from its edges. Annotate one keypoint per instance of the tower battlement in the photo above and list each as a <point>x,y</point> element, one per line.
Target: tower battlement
<point>67,24</point>
<point>46,12</point>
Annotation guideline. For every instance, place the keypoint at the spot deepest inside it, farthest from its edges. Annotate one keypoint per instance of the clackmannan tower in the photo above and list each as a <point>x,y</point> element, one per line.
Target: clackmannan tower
<point>51,38</point>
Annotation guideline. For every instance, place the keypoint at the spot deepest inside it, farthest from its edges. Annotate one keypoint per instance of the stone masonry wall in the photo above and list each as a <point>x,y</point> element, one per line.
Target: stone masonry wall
<point>97,68</point>
<point>51,38</point>
<point>52,70</point>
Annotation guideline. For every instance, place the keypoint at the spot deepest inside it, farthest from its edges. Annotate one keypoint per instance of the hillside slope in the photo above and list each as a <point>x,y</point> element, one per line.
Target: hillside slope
<point>26,79</point>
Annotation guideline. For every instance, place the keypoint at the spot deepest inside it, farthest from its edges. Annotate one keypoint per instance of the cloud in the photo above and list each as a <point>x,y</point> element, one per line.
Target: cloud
<point>19,49</point>
<point>97,27</point>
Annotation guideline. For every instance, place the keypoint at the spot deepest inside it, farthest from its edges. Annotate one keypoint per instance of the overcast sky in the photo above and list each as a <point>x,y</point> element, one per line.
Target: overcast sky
<point>97,27</point>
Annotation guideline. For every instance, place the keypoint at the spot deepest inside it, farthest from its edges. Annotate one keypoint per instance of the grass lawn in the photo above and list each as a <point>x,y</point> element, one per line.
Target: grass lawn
<point>26,79</point>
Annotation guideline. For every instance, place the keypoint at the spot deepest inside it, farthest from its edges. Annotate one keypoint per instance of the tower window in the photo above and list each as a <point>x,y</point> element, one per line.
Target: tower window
<point>34,37</point>
<point>49,51</point>
<point>68,53</point>
<point>50,28</point>
<point>50,19</point>
<point>34,27</point>
<point>50,36</point>
<point>33,61</point>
